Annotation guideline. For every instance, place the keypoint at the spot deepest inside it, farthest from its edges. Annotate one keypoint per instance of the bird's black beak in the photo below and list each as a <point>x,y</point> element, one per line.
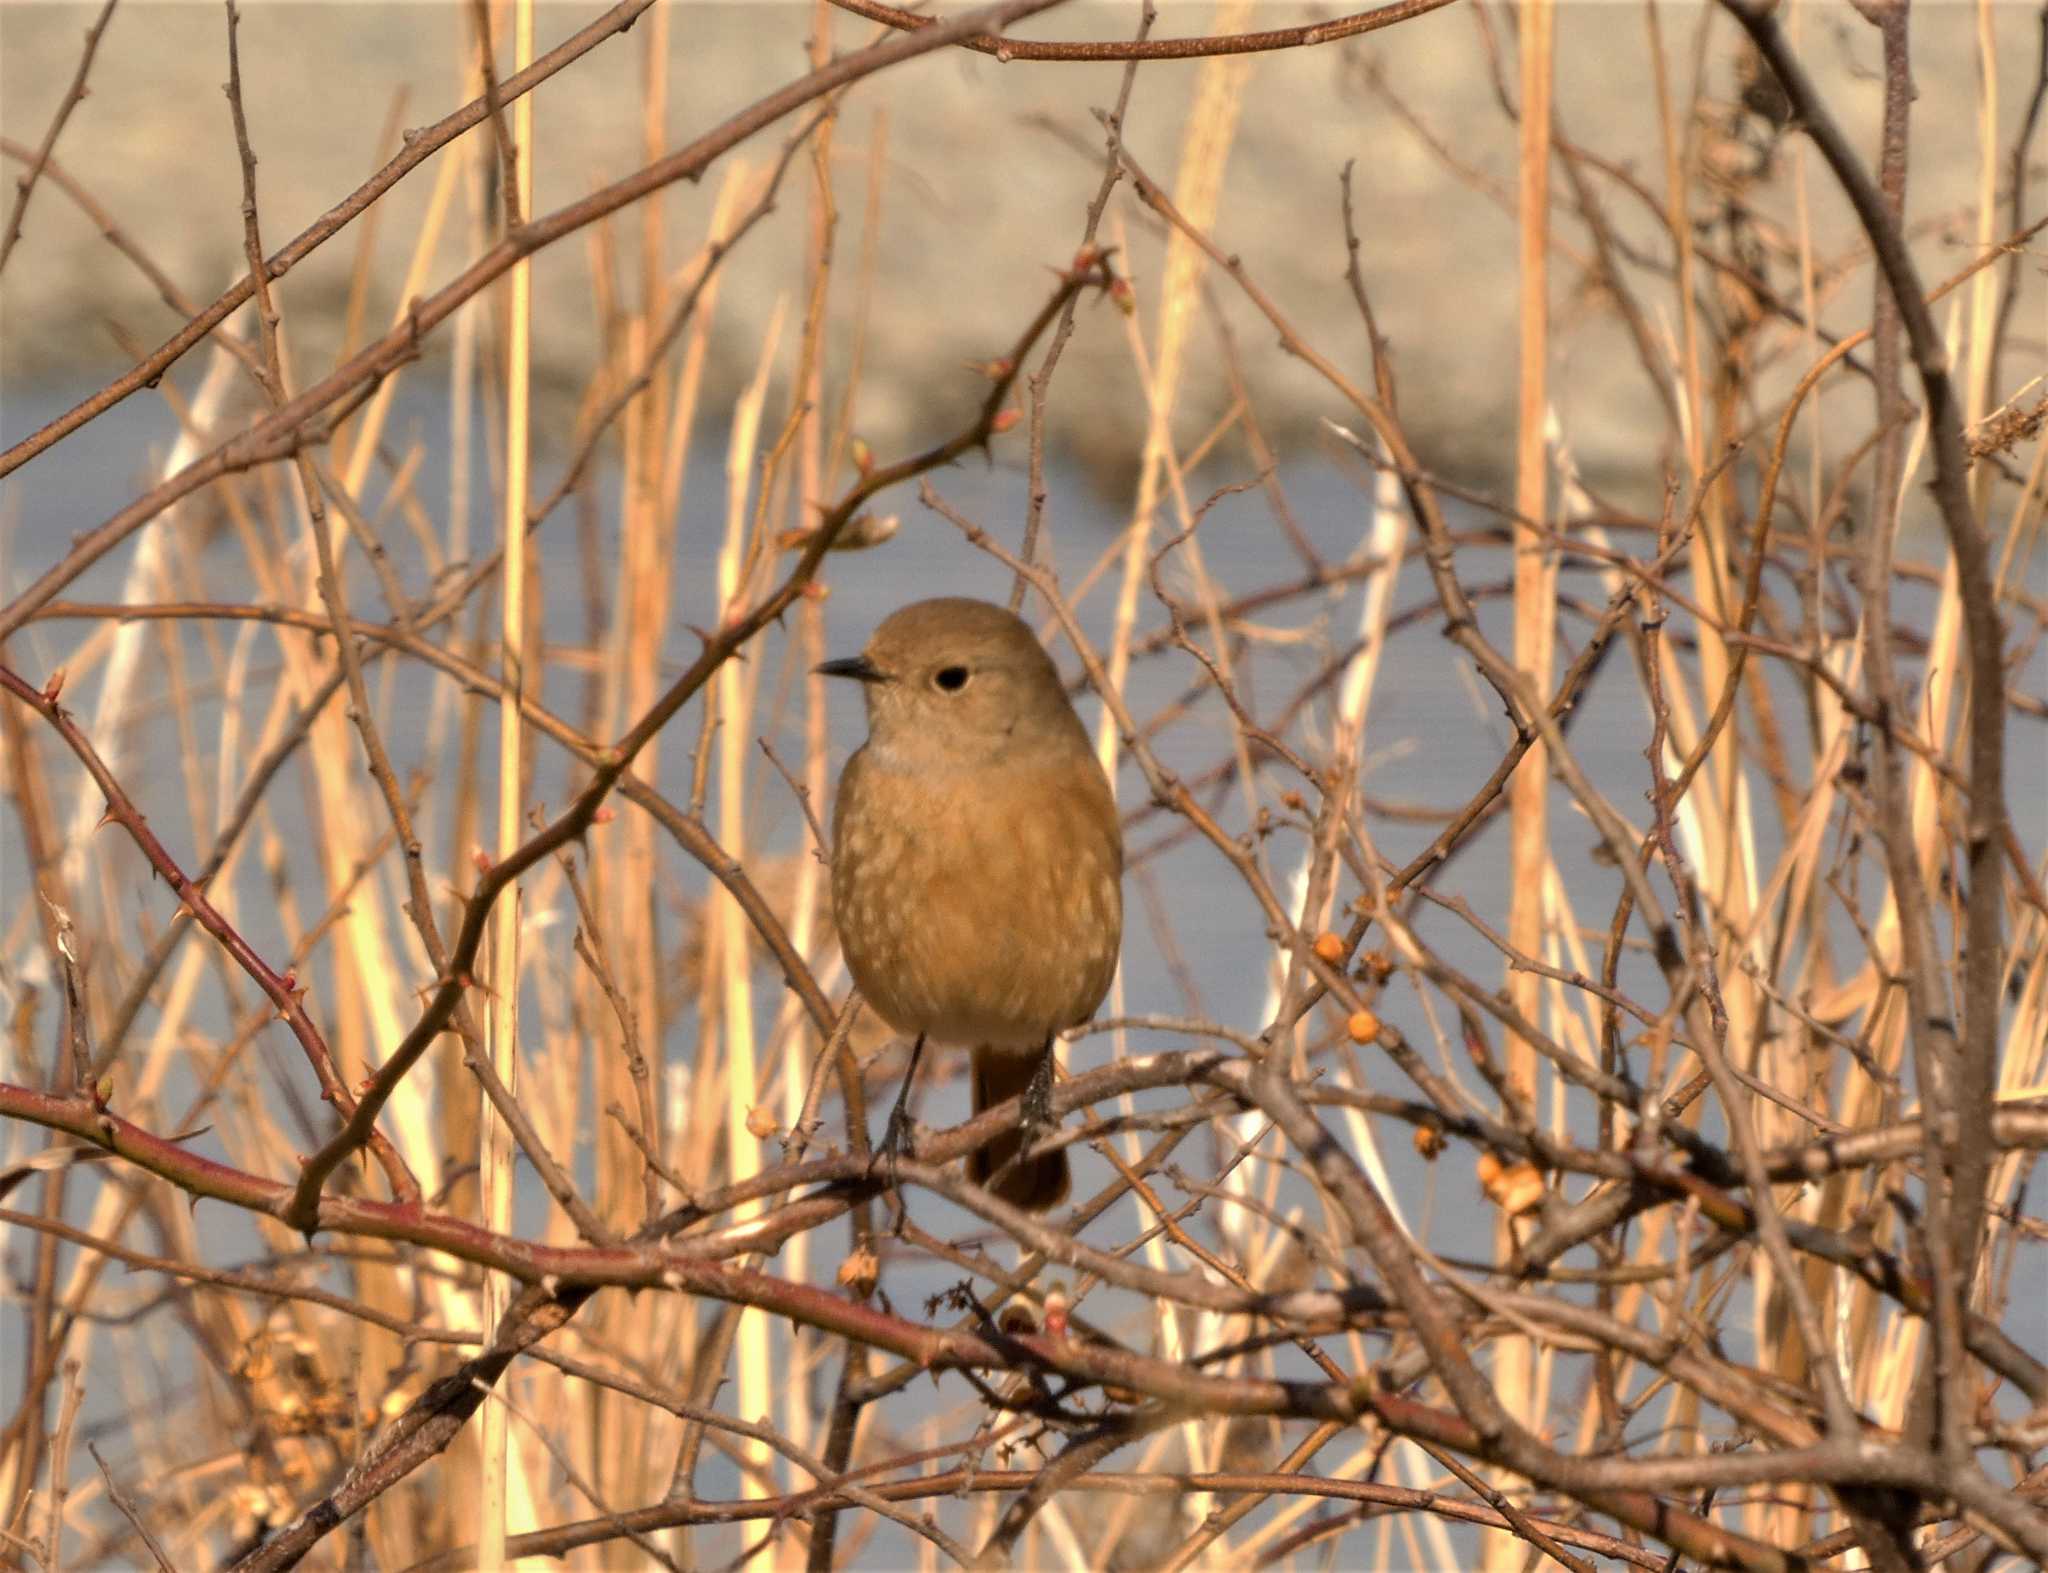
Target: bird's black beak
<point>857,667</point>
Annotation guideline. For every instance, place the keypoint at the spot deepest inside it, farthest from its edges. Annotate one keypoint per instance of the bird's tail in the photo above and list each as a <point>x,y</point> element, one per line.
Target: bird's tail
<point>1037,1184</point>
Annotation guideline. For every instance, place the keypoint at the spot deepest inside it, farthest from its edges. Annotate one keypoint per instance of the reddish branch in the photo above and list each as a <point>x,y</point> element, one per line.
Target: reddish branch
<point>282,990</point>
<point>1009,49</point>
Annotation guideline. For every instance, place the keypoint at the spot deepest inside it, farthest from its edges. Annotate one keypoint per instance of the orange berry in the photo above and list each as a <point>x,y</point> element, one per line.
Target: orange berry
<point>1520,1189</point>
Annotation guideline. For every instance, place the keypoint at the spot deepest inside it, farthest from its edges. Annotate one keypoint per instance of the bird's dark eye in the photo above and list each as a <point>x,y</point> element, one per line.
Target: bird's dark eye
<point>951,678</point>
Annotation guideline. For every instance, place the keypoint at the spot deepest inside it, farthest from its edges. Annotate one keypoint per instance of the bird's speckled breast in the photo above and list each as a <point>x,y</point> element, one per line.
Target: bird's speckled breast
<point>983,914</point>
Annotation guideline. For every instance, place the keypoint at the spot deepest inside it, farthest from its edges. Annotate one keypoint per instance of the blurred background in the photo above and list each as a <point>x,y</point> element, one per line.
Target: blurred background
<point>982,172</point>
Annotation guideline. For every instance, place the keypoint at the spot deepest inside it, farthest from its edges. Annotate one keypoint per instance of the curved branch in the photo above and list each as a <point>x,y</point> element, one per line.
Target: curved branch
<point>1011,49</point>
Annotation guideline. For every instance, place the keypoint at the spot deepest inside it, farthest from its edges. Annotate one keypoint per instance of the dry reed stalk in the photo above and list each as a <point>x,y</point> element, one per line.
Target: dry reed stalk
<point>146,576</point>
<point>1817,425</point>
<point>369,426</point>
<point>1890,1377</point>
<point>863,293</point>
<point>1535,576</point>
<point>737,691</point>
<point>807,405</point>
<point>123,649</point>
<point>1204,154</point>
<point>505,1505</point>
<point>1205,147</point>
<point>356,311</point>
<point>369,994</point>
<point>640,616</point>
<point>458,1120</point>
<point>420,1132</point>
<point>640,611</point>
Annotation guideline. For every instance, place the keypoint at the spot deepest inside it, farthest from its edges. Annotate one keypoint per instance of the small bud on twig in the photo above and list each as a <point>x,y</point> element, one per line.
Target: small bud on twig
<point>860,1272</point>
<point>1057,1305</point>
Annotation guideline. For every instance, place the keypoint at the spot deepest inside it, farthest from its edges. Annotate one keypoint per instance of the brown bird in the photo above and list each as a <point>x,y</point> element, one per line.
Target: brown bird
<point>977,864</point>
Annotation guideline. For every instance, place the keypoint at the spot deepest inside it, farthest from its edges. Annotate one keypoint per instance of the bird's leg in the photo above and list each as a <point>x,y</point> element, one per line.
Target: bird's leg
<point>896,1138</point>
<point>1034,1110</point>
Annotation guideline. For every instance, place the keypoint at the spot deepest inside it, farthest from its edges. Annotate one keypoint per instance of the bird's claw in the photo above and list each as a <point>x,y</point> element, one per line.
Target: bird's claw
<point>897,1142</point>
<point>1034,1109</point>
